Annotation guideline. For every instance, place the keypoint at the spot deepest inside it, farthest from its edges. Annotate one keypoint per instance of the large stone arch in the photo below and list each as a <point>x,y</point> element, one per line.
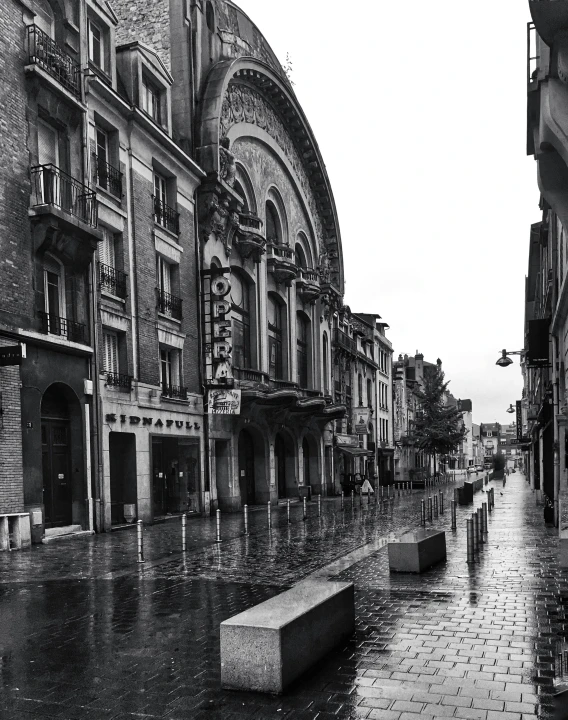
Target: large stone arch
<point>297,143</point>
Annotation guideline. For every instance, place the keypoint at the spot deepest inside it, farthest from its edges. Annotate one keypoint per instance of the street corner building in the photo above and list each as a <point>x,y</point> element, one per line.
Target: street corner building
<point>173,334</point>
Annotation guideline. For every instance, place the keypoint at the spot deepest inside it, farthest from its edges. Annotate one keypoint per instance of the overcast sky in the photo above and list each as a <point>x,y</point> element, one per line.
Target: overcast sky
<point>419,109</point>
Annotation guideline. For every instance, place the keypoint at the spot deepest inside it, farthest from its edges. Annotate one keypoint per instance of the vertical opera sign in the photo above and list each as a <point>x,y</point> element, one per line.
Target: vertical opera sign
<point>218,335</point>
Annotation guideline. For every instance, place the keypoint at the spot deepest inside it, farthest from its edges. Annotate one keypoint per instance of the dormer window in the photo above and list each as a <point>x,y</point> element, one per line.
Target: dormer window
<point>96,45</point>
<point>151,101</point>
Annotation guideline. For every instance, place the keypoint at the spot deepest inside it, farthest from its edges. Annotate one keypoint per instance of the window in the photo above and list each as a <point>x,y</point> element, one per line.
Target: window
<point>360,388</point>
<point>151,101</point>
<point>53,288</point>
<point>240,302</point>
<point>302,342</point>
<point>163,275</point>
<point>300,257</point>
<point>48,144</point>
<point>275,359</point>
<point>325,364</point>
<point>170,374</point>
<point>160,192</point>
<point>96,45</point>
<point>273,226</point>
<point>106,249</point>
<point>43,16</point>
<point>370,393</point>
<point>110,352</point>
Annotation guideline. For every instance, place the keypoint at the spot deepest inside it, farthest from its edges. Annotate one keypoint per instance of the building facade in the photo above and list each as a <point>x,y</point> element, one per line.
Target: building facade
<point>490,434</point>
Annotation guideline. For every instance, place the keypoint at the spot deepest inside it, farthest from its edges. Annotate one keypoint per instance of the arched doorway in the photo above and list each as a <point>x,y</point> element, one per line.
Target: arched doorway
<point>306,454</point>
<point>56,445</point>
<point>246,468</point>
<point>311,463</point>
<point>285,465</point>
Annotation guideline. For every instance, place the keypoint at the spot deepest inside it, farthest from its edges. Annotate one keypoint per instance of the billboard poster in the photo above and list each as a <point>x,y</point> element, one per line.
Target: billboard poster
<point>361,418</point>
<point>224,402</point>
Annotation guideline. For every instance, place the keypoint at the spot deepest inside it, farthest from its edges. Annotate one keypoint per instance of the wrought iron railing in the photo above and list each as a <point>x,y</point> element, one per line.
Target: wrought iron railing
<point>124,382</point>
<point>283,384</point>
<point>309,275</point>
<point>112,280</point>
<point>55,325</point>
<point>343,340</point>
<point>175,392</point>
<point>250,221</point>
<point>107,176</point>
<point>48,55</point>
<point>52,186</point>
<point>169,304</point>
<point>282,251</point>
<point>166,216</point>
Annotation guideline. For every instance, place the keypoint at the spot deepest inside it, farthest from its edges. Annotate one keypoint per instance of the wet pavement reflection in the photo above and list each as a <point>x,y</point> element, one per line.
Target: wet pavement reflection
<point>85,632</point>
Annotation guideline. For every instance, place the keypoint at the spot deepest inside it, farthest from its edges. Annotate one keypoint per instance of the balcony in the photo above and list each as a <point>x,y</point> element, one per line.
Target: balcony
<point>112,280</point>
<point>46,54</point>
<point>281,263</point>
<point>52,187</point>
<point>249,239</point>
<point>107,177</point>
<point>166,216</point>
<point>343,341</point>
<point>174,392</point>
<point>55,325</point>
<point>118,380</point>
<point>169,305</point>
<point>247,375</point>
<point>307,284</point>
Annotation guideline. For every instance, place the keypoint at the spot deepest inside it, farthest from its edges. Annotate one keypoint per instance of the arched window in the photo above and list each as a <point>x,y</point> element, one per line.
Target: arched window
<point>240,304</point>
<point>360,388</point>
<point>325,351</point>
<point>275,339</point>
<point>240,190</point>
<point>273,224</point>
<point>210,16</point>
<point>303,348</point>
<point>300,257</point>
<point>369,393</point>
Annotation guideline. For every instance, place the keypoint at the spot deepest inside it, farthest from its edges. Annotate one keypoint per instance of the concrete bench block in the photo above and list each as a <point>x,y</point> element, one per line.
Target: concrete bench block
<point>15,531</point>
<point>417,551</point>
<point>268,646</point>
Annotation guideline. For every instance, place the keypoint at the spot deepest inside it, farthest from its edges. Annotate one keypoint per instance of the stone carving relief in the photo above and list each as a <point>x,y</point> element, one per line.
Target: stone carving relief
<point>243,104</point>
<point>217,218</point>
<point>227,164</point>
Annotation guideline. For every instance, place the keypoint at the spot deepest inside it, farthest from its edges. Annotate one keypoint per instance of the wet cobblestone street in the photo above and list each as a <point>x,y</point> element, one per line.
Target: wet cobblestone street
<point>87,633</point>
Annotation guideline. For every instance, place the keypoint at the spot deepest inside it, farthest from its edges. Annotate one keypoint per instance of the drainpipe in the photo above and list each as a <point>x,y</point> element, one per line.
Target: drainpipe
<point>95,517</point>
<point>555,426</point>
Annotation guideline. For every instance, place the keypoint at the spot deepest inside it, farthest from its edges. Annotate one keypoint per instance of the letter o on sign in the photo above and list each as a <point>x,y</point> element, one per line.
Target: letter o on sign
<point>220,286</point>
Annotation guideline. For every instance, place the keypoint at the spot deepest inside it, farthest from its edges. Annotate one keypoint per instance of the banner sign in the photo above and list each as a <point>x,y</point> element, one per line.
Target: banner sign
<point>11,355</point>
<point>342,439</point>
<point>218,327</point>
<point>224,402</point>
<point>361,417</point>
<point>519,420</point>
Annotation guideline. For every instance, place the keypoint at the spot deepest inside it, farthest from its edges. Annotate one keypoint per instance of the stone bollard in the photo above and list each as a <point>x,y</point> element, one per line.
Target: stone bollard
<point>319,505</point>
<point>305,505</point>
<point>441,496</point>
<point>246,511</point>
<point>430,504</point>
<point>288,509</point>
<point>470,542</point>
<point>218,527</point>
<point>411,488</point>
<point>436,505</point>
<point>398,489</point>
<point>480,540</point>
<point>183,531</point>
<point>475,519</point>
<point>342,500</point>
<point>381,491</point>
<point>140,538</point>
<point>454,518</point>
<point>423,512</point>
<point>352,499</point>
<point>269,516</point>
<point>484,515</point>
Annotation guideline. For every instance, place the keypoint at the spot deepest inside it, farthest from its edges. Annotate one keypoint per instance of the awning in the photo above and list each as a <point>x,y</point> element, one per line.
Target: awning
<point>353,451</point>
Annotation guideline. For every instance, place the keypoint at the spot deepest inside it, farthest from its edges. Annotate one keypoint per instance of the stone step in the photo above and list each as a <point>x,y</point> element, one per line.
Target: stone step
<point>64,532</point>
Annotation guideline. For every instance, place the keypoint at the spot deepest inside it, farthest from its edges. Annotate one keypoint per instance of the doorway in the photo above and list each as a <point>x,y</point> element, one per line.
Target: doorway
<point>247,483</point>
<point>175,473</point>
<point>56,459</point>
<point>122,468</point>
<point>280,465</point>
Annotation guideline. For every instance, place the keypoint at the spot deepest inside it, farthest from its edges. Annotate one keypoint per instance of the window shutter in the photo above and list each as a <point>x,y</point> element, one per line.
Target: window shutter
<point>106,249</point>
<point>47,144</point>
<point>110,352</point>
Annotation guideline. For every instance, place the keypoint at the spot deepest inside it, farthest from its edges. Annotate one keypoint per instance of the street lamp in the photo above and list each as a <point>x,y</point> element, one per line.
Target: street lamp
<point>510,409</point>
<point>505,360</point>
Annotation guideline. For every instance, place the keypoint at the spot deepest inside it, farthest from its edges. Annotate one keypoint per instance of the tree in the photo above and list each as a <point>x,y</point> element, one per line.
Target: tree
<point>439,427</point>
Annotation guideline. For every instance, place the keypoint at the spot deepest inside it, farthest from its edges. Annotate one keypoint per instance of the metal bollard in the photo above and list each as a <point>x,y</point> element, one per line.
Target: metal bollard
<point>436,505</point>
<point>305,508</point>
<point>489,500</point>
<point>319,505</point>
<point>140,534</point>
<point>288,510</point>
<point>470,542</point>
<point>246,509</point>
<point>484,515</point>
<point>398,489</point>
<point>360,498</point>
<point>441,496</point>
<point>430,503</point>
<point>423,512</point>
<point>183,531</point>
<point>411,488</point>
<point>454,518</point>
<point>342,500</point>
<point>218,534</point>
<point>352,498</point>
<point>269,516</point>
<point>475,519</point>
<point>376,495</point>
<point>480,524</point>
<point>381,490</point>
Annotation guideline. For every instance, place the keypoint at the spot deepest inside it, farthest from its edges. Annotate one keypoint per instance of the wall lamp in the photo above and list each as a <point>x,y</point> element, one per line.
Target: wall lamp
<point>505,360</point>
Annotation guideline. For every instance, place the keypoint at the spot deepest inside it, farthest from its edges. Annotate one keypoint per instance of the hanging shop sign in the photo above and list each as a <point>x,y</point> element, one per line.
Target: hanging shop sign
<point>12,355</point>
<point>343,439</point>
<point>218,327</point>
<point>361,418</point>
<point>224,402</point>
<point>519,409</point>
